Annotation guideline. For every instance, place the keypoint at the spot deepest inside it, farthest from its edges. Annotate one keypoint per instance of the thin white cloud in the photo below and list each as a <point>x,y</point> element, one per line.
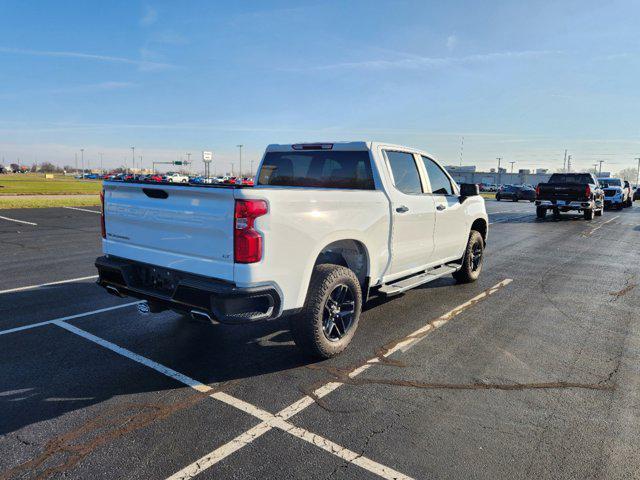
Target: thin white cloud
<point>417,62</point>
<point>141,64</point>
<point>150,16</point>
<point>94,87</point>
<point>452,41</point>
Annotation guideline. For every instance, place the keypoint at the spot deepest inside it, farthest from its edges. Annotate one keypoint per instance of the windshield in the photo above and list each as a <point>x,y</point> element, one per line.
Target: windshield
<point>610,182</point>
<point>323,169</point>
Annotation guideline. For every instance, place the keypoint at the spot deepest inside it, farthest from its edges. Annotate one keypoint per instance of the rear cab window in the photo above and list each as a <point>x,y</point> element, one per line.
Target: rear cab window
<point>318,168</point>
<point>406,177</point>
<point>581,179</point>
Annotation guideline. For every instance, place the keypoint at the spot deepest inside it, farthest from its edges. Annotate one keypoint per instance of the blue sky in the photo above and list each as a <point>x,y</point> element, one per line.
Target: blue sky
<point>520,80</point>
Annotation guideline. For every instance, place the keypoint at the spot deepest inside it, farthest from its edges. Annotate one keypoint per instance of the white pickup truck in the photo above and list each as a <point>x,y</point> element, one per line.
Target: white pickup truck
<point>173,177</point>
<point>325,226</point>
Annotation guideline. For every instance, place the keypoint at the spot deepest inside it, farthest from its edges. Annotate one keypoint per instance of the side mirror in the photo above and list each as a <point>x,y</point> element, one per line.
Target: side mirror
<point>468,190</point>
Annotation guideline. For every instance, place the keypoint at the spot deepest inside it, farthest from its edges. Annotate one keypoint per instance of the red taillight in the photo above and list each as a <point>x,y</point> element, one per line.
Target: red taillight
<point>103,228</point>
<point>587,192</point>
<point>537,190</point>
<point>247,242</point>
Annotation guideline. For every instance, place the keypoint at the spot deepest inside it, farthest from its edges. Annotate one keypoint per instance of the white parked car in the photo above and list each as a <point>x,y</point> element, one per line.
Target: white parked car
<point>173,177</point>
<point>325,226</point>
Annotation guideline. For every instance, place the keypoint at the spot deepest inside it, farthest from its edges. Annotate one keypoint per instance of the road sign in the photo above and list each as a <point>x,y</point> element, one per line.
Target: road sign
<point>207,156</point>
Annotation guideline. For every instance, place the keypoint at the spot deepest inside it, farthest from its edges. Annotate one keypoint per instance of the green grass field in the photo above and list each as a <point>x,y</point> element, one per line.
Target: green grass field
<point>37,184</point>
<point>48,202</point>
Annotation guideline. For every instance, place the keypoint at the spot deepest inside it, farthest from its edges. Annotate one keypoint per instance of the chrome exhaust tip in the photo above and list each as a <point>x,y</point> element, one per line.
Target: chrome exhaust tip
<point>143,308</point>
<point>114,291</point>
<point>201,316</point>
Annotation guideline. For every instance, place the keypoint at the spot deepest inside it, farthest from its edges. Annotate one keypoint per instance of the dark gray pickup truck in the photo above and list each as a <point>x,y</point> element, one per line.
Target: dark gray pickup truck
<point>570,191</point>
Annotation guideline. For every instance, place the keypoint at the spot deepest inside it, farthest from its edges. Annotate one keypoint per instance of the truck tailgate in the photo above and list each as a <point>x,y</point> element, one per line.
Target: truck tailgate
<point>561,191</point>
<point>183,228</point>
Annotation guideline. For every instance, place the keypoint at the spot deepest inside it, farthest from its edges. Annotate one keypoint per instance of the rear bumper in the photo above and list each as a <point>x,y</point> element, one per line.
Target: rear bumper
<point>167,289</point>
<point>573,205</point>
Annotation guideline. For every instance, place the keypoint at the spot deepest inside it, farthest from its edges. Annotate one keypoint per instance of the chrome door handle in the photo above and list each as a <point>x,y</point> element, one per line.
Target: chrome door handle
<point>441,207</point>
<point>402,209</point>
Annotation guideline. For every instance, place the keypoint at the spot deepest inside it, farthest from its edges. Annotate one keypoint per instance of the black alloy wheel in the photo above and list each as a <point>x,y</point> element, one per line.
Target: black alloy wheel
<point>339,311</point>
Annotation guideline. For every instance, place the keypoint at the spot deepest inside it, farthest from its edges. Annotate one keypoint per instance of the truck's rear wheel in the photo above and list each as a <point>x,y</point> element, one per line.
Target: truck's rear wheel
<point>330,315</point>
<point>541,212</point>
<point>598,212</point>
<point>472,260</point>
<point>588,214</point>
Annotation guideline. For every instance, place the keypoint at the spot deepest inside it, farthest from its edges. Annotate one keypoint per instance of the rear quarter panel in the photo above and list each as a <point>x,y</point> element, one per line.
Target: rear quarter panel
<point>301,222</point>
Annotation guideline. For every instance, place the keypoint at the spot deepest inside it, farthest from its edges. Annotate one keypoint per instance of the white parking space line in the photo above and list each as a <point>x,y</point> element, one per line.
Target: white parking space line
<point>18,221</point>
<point>62,319</point>
<point>59,282</point>
<point>410,340</point>
<point>404,345</point>
<point>82,209</point>
<point>590,232</point>
<point>269,421</point>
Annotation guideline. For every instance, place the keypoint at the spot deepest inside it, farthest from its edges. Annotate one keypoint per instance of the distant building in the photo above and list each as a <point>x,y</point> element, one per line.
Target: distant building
<point>461,168</point>
<point>501,177</point>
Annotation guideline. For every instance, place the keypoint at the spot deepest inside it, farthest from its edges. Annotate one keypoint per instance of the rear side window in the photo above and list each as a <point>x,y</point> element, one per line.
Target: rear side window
<point>322,169</point>
<point>440,183</point>
<point>405,172</point>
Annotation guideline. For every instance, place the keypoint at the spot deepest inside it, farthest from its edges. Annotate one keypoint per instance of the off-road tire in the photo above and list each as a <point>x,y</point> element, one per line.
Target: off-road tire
<point>306,326</point>
<point>599,212</point>
<point>498,198</point>
<point>467,273</point>
<point>541,212</point>
<point>515,198</point>
<point>588,214</point>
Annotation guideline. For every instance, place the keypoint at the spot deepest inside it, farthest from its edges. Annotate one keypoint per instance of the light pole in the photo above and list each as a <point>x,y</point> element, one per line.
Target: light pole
<point>140,165</point>
<point>499,174</point>
<point>75,155</point>
<point>512,167</point>
<point>101,170</point>
<point>601,162</point>
<point>133,158</point>
<point>82,160</point>
<point>240,150</point>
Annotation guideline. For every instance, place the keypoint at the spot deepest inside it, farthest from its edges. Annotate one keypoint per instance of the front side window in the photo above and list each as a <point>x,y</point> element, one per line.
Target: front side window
<point>405,172</point>
<point>440,183</point>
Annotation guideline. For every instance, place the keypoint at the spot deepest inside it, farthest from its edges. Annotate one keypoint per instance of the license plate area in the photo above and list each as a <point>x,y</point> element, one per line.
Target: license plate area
<point>156,279</point>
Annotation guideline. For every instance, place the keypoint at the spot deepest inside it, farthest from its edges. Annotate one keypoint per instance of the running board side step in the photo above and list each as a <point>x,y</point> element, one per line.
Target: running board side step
<point>416,280</point>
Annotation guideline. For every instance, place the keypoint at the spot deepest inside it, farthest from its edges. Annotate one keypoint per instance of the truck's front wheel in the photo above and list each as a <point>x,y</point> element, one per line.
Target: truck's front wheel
<point>472,260</point>
<point>330,315</point>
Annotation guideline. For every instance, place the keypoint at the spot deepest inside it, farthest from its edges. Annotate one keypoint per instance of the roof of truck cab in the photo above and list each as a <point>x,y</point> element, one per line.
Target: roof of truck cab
<point>288,147</point>
<point>357,145</point>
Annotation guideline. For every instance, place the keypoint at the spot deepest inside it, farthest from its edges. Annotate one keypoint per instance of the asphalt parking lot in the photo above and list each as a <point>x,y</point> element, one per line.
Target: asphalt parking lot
<point>531,372</point>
